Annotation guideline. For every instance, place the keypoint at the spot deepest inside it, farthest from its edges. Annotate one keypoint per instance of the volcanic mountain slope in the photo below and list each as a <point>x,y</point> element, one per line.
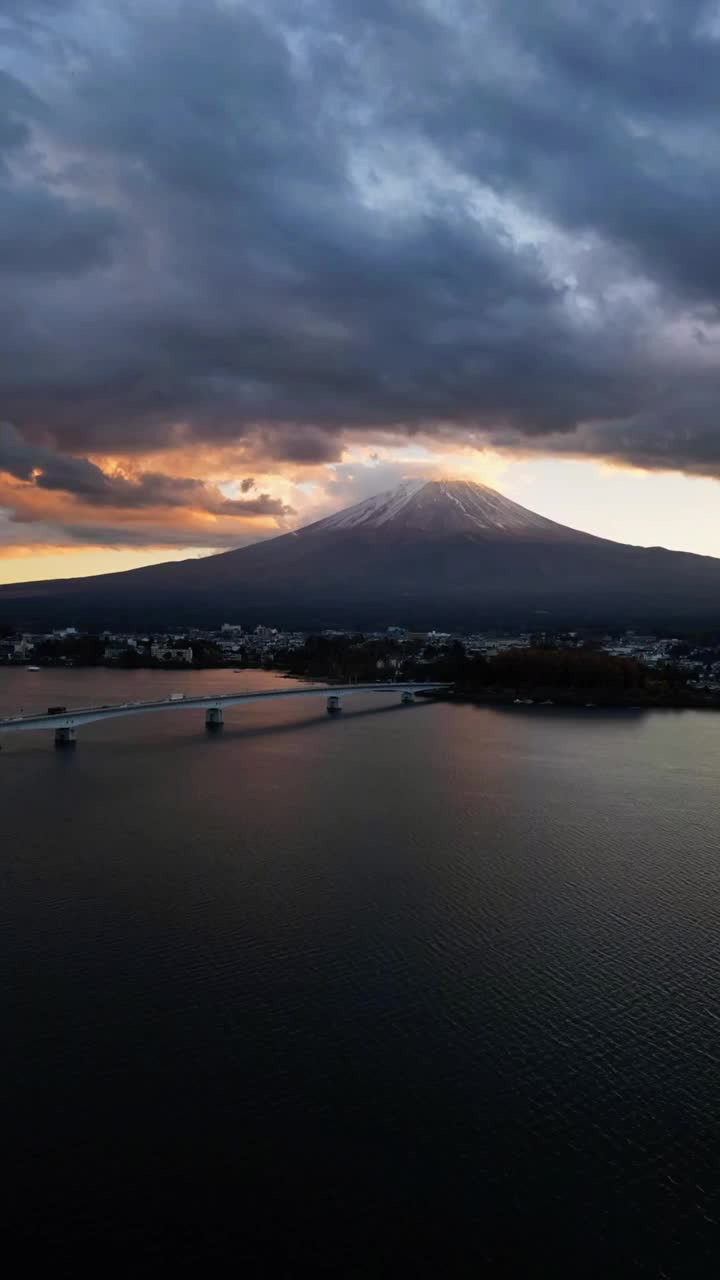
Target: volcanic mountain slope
<point>438,553</point>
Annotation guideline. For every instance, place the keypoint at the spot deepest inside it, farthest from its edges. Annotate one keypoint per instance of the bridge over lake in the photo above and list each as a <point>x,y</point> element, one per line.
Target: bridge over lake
<point>64,723</point>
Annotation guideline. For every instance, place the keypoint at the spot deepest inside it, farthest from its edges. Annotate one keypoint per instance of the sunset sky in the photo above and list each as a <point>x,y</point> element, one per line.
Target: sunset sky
<point>262,259</point>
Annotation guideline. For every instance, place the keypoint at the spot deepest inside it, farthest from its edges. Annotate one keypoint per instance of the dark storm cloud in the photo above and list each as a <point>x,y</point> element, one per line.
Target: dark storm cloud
<point>44,235</point>
<point>283,223</point>
<point>262,505</point>
<point>46,468</point>
<point>16,102</point>
<point>680,435</point>
<point>621,141</point>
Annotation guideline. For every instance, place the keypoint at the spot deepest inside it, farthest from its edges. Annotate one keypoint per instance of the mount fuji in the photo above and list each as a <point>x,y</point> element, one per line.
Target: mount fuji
<point>448,554</point>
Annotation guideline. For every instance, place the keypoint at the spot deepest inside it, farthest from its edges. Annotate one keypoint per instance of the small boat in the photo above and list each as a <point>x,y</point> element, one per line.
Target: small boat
<point>32,668</point>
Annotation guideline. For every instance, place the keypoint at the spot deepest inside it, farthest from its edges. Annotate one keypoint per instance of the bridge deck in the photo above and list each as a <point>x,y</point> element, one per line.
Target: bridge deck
<point>74,717</point>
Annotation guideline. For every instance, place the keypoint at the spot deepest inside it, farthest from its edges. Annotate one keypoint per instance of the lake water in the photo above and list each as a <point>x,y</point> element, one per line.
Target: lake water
<point>413,990</point>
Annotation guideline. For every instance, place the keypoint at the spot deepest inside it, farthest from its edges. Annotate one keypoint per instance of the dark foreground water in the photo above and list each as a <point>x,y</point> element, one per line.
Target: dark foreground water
<point>428,990</point>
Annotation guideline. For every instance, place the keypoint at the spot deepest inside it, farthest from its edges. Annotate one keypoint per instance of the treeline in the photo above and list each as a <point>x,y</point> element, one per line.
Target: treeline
<point>81,651</point>
<point>360,658</point>
<point>566,676</point>
<point>348,658</point>
<point>89,651</point>
<point>540,671</point>
<point>554,669</point>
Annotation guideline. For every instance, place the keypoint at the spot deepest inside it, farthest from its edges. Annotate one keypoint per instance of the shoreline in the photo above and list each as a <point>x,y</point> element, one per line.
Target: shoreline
<point>545,698</point>
<point>580,700</point>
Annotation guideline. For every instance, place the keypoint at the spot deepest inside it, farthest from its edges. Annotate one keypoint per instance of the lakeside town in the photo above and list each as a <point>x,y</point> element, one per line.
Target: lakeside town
<point>622,665</point>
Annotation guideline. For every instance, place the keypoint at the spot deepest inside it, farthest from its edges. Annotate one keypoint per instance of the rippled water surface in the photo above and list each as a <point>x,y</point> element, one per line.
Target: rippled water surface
<point>411,990</point>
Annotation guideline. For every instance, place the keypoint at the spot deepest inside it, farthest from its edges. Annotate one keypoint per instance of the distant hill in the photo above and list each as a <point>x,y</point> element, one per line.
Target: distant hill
<point>439,553</point>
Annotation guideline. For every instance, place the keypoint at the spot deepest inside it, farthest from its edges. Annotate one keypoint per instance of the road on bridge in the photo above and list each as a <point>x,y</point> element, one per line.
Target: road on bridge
<point>66,722</point>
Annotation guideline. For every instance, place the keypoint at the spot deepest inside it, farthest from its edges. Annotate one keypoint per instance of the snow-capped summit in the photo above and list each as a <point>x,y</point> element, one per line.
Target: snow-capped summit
<point>442,507</point>
<point>375,511</point>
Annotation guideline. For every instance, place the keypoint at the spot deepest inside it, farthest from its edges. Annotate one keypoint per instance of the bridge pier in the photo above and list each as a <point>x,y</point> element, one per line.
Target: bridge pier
<point>214,718</point>
<point>65,738</point>
<point>407,697</point>
<point>333,703</point>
